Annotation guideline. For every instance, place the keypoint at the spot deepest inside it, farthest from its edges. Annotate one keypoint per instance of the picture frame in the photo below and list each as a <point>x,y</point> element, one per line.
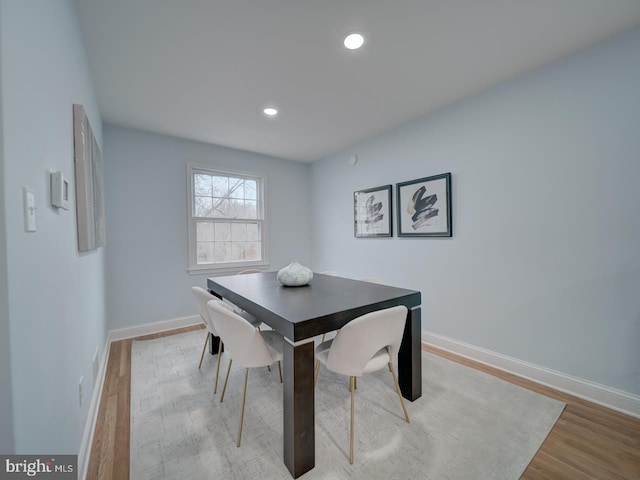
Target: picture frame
<point>372,212</point>
<point>89,184</point>
<point>424,207</point>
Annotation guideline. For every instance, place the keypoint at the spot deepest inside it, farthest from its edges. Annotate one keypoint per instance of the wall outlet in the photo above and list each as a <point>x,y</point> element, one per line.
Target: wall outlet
<point>81,390</point>
<point>95,367</point>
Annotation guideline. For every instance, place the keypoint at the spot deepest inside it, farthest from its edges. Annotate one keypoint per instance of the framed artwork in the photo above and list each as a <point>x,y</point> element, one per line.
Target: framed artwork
<point>372,212</point>
<point>424,207</point>
<point>89,184</point>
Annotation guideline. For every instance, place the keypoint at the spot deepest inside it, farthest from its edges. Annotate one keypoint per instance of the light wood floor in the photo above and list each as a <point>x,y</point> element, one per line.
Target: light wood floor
<point>587,442</point>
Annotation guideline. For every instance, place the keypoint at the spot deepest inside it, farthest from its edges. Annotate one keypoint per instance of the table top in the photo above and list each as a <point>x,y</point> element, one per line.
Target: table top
<point>327,303</point>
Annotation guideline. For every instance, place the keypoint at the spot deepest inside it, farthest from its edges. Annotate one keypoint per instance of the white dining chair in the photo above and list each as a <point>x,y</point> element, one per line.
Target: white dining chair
<point>372,280</point>
<point>324,335</point>
<point>250,270</point>
<point>202,297</point>
<point>247,346</point>
<point>257,323</point>
<point>364,345</point>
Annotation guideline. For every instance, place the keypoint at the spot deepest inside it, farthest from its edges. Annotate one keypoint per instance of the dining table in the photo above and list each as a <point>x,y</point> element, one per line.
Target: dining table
<point>301,314</point>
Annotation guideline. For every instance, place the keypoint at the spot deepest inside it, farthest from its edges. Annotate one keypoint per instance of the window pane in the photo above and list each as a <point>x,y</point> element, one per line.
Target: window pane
<point>238,232</point>
<point>204,232</point>
<point>202,185</point>
<point>222,252</point>
<point>237,252</point>
<point>253,232</point>
<point>220,186</point>
<point>223,232</point>
<point>203,206</point>
<point>236,208</point>
<point>236,188</point>
<point>253,250</point>
<point>222,208</point>
<point>250,190</point>
<point>251,209</point>
<point>205,252</point>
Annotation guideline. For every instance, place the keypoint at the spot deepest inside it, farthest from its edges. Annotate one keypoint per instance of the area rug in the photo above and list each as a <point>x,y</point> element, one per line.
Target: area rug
<point>466,425</point>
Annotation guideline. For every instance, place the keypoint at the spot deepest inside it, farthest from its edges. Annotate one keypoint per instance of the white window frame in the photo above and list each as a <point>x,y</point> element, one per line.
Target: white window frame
<point>229,267</point>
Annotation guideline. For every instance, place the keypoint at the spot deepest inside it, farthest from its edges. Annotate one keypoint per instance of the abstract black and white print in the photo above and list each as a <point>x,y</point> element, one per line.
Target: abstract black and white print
<point>372,212</point>
<point>424,206</point>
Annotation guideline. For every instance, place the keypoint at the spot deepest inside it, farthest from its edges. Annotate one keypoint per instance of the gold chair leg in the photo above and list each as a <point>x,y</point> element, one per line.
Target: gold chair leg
<point>280,370</point>
<point>204,348</point>
<point>353,403</point>
<point>224,389</point>
<point>244,396</point>
<point>215,386</point>
<point>395,381</point>
<point>315,376</point>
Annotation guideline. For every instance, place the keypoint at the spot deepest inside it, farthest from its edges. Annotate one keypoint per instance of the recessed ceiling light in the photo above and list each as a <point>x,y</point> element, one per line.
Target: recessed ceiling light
<point>354,41</point>
<point>270,111</point>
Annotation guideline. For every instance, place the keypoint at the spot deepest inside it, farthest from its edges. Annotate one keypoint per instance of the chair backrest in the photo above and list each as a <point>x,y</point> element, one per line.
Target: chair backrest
<point>245,343</point>
<point>202,297</point>
<point>358,341</point>
<point>250,270</point>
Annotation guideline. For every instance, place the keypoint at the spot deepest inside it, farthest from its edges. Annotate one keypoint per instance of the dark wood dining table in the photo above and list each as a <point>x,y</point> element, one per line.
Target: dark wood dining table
<point>301,313</point>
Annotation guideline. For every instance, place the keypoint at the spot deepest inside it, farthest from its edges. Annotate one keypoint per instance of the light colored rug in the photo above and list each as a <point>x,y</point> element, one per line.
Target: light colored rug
<point>466,425</point>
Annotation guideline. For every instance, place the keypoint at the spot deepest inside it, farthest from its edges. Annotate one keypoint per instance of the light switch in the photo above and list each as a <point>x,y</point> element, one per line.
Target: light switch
<point>29,210</point>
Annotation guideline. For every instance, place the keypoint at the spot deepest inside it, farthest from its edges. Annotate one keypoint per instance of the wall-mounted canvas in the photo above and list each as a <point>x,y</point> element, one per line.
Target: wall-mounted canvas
<point>424,207</point>
<point>89,185</point>
<point>372,212</point>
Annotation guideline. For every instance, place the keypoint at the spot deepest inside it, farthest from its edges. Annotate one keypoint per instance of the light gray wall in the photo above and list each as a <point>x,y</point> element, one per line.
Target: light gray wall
<point>55,296</point>
<point>146,211</point>
<point>544,263</point>
<point>6,403</point>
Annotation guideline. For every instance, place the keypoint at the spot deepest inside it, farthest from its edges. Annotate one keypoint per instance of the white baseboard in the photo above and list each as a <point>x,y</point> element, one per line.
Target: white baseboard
<point>623,402</point>
<point>155,327</point>
<point>114,335</point>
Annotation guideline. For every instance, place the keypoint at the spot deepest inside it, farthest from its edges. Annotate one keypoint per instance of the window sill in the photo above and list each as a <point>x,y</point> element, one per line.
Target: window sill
<point>226,270</point>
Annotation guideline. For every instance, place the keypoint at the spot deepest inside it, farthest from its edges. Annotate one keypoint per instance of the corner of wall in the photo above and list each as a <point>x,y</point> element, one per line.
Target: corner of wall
<point>6,401</point>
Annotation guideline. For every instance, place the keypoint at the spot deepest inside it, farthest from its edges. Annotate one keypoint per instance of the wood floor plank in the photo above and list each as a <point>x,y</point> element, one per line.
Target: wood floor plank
<point>107,449</point>
<point>548,466</point>
<point>113,370</point>
<point>589,442</point>
<point>122,433</point>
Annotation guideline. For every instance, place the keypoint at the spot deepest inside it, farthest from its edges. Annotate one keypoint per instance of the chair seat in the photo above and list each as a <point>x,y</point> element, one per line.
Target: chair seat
<point>379,360</point>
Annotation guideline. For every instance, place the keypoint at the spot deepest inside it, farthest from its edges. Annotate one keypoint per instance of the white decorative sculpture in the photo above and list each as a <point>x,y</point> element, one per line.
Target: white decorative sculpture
<point>295,275</point>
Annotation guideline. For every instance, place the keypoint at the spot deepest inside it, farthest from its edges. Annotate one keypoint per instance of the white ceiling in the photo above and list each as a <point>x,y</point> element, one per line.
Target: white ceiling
<point>205,69</point>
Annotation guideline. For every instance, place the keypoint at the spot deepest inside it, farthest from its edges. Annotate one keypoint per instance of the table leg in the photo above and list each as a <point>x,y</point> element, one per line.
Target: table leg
<point>214,344</point>
<point>298,404</point>
<point>410,357</point>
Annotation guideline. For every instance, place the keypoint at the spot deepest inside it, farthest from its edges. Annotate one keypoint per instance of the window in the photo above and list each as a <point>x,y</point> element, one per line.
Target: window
<point>226,220</point>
